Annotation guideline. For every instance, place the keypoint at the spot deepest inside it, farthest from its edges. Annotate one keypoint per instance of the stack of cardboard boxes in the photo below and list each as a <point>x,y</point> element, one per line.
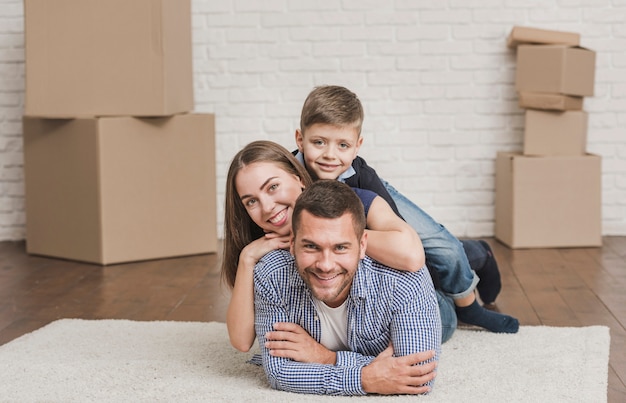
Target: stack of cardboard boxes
<point>550,195</point>
<point>117,166</point>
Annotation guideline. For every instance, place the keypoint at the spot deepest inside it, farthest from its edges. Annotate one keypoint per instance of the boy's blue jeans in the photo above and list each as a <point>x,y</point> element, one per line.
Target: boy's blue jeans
<point>448,315</point>
<point>444,252</point>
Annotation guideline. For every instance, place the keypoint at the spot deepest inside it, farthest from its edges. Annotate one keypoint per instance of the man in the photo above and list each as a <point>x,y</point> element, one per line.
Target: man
<point>330,320</point>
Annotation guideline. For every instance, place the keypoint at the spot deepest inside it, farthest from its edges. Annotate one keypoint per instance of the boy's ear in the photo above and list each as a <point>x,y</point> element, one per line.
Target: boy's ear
<point>359,142</point>
<point>299,139</point>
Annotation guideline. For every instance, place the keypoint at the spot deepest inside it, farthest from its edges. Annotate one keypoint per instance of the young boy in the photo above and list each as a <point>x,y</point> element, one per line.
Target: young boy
<point>328,142</point>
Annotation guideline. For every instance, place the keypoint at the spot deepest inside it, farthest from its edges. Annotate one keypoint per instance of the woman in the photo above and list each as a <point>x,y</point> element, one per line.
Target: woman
<point>263,182</point>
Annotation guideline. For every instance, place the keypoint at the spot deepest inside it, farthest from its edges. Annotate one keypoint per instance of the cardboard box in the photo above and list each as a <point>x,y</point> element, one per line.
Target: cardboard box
<point>550,133</point>
<point>557,102</point>
<point>527,35</point>
<point>555,69</point>
<point>548,202</point>
<point>120,189</point>
<point>104,58</point>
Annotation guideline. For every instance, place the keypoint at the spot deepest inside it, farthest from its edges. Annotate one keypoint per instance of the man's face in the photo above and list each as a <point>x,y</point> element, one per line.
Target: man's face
<point>268,193</point>
<point>328,149</point>
<point>327,253</point>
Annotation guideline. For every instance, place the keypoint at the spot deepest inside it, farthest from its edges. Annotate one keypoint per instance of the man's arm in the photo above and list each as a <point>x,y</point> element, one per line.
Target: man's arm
<point>353,372</point>
<point>386,374</point>
<point>417,322</point>
<point>271,306</point>
<point>414,326</point>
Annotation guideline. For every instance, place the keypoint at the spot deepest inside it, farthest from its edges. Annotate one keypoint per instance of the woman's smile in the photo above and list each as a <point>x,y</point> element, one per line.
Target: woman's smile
<point>280,218</point>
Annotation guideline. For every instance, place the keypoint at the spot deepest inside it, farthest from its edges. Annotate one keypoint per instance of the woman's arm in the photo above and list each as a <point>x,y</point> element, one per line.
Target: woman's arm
<point>240,313</point>
<point>392,241</point>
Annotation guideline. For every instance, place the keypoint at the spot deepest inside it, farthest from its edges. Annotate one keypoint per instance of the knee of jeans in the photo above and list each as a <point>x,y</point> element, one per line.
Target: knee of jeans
<point>447,329</point>
<point>452,255</point>
<point>476,253</point>
<point>446,333</point>
<point>448,316</point>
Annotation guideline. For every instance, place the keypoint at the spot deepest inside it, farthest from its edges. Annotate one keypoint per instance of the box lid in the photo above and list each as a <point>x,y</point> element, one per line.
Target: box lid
<point>528,35</point>
<point>549,101</point>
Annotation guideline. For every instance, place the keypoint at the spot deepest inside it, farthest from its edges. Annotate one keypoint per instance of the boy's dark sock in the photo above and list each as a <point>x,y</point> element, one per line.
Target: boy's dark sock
<point>490,283</point>
<point>475,314</point>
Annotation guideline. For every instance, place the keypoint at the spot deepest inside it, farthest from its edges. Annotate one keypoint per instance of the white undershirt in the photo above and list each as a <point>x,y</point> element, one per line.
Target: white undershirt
<point>334,325</point>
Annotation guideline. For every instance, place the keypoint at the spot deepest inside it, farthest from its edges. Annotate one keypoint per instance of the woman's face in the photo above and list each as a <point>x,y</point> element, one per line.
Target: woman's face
<point>268,194</point>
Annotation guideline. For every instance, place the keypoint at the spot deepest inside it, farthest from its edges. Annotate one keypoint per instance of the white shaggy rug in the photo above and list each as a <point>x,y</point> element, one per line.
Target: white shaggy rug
<point>73,360</point>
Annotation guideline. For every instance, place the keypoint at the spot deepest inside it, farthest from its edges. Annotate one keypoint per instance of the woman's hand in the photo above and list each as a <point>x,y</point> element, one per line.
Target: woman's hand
<point>255,250</point>
<point>289,340</point>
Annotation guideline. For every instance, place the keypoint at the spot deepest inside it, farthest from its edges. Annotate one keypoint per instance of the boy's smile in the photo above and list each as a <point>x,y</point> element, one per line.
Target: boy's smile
<point>328,149</point>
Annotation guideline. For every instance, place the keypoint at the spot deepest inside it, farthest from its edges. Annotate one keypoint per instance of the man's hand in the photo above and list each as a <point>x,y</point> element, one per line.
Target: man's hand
<point>399,375</point>
<point>289,340</point>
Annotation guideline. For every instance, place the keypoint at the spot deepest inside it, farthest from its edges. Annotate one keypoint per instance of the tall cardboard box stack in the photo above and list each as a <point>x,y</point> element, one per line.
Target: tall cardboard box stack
<point>550,194</point>
<point>117,166</point>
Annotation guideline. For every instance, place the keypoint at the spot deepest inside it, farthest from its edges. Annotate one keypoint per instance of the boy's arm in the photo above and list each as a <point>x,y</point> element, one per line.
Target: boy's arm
<point>367,178</point>
<point>391,240</point>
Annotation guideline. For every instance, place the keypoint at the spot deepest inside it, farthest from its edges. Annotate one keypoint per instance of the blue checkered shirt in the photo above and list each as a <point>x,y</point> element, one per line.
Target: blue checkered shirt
<point>384,306</point>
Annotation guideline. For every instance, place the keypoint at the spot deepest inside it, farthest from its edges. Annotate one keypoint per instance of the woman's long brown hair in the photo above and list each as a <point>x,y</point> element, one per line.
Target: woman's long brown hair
<point>239,229</point>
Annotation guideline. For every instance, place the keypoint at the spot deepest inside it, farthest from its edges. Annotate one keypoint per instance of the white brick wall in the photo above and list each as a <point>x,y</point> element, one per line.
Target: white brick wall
<point>12,217</point>
<point>436,80</point>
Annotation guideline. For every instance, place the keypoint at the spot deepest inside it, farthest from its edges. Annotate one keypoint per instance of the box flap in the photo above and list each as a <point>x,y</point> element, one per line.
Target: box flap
<point>527,35</point>
<point>550,101</point>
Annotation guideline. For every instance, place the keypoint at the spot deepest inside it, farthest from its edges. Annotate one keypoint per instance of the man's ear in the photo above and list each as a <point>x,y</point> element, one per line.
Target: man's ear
<point>292,242</point>
<point>363,244</point>
<point>299,139</point>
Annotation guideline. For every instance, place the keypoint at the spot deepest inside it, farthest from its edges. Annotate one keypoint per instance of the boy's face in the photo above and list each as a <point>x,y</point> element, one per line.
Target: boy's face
<point>328,149</point>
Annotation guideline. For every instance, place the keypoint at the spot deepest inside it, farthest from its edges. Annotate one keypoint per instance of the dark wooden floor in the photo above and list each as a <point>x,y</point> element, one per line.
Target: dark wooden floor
<point>554,287</point>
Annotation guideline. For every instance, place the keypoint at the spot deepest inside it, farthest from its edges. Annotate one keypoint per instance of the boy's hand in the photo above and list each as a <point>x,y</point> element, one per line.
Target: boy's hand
<point>289,340</point>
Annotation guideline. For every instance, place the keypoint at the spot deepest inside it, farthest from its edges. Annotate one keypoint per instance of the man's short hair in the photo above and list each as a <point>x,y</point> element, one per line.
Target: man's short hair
<point>327,198</point>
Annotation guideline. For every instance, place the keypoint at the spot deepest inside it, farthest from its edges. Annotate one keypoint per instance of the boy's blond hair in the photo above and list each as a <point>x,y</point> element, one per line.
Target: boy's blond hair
<point>332,105</point>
